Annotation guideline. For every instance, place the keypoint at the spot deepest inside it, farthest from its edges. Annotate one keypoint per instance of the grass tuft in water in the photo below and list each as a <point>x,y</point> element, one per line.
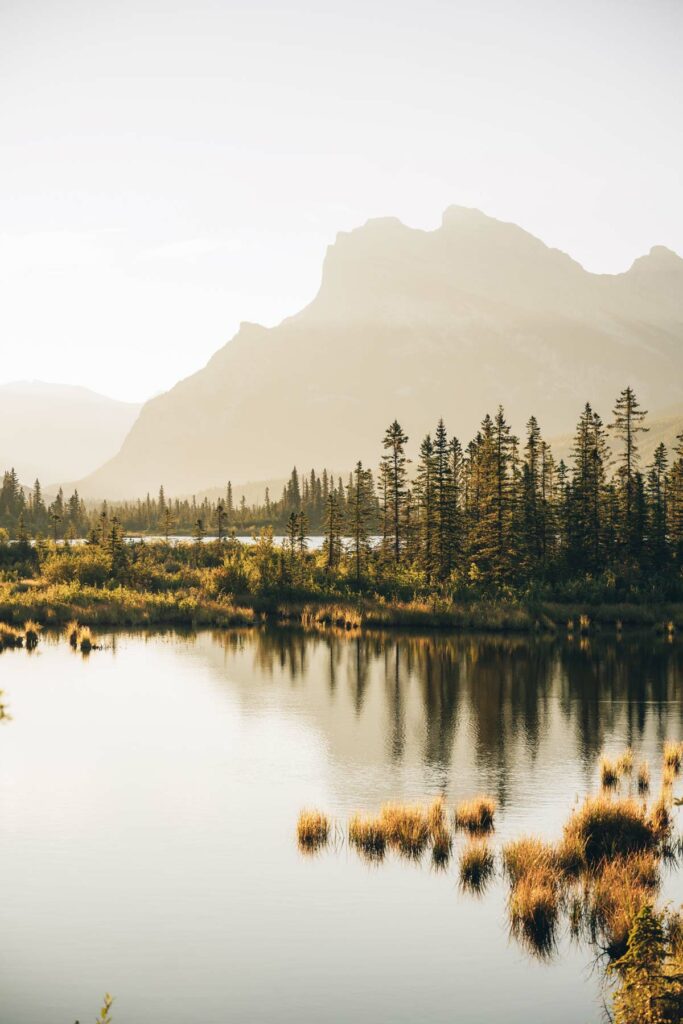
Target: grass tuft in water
<point>476,865</point>
<point>476,815</point>
<point>313,830</point>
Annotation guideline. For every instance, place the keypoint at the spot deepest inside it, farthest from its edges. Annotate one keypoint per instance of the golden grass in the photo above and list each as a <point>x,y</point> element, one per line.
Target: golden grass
<point>525,856</point>
<point>673,755</point>
<point>668,776</point>
<point>10,636</point>
<point>313,830</point>
<point>534,908</point>
<point>476,815</point>
<point>476,865</point>
<point>660,818</point>
<point>625,762</point>
<point>72,630</point>
<point>609,773</point>
<point>85,640</point>
<point>436,816</point>
<point>442,844</point>
<point>609,827</point>
<point>615,896</point>
<point>570,855</point>
<point>368,835</point>
<point>32,632</point>
<point>406,826</point>
<point>643,777</point>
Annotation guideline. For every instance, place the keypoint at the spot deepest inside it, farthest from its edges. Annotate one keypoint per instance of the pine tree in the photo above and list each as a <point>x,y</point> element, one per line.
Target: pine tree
<point>360,511</point>
<point>427,524</point>
<point>332,525</point>
<point>221,518</point>
<point>395,480</point>
<point>628,423</point>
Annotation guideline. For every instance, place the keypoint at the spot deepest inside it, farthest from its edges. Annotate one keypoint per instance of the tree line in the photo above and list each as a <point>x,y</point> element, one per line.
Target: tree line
<point>500,512</point>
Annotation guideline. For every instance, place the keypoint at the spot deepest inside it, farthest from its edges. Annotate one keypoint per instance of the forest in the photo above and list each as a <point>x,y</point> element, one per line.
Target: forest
<point>497,517</point>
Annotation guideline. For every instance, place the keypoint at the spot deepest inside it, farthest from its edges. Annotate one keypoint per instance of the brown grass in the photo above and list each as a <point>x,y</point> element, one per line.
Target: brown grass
<point>10,636</point>
<point>32,632</point>
<point>616,894</point>
<point>72,630</point>
<point>476,865</point>
<point>526,856</point>
<point>406,827</point>
<point>312,830</point>
<point>608,828</point>
<point>660,818</point>
<point>643,777</point>
<point>534,908</point>
<point>625,762</point>
<point>673,755</point>
<point>609,773</point>
<point>476,815</point>
<point>368,836</point>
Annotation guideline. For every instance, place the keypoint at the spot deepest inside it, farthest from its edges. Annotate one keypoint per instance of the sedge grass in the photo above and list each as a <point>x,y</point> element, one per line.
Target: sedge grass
<point>407,827</point>
<point>643,777</point>
<point>313,830</point>
<point>368,835</point>
<point>476,815</point>
<point>609,827</point>
<point>476,865</point>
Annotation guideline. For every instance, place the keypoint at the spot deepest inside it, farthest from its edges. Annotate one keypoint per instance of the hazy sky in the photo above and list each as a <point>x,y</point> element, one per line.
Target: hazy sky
<point>170,168</point>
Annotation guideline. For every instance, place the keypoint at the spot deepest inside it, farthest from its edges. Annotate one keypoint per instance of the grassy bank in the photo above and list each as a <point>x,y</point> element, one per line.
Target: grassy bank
<point>55,604</point>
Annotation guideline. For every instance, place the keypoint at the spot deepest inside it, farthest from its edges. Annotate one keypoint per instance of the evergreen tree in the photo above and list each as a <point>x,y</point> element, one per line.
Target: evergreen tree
<point>627,425</point>
<point>394,480</point>
<point>360,511</point>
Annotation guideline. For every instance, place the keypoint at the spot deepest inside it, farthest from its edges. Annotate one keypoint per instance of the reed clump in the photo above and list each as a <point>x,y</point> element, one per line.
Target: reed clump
<point>525,856</point>
<point>10,636</point>
<point>85,641</point>
<point>477,864</point>
<point>72,630</point>
<point>673,755</point>
<point>368,835</point>
<point>313,830</point>
<point>476,815</point>
<point>643,777</point>
<point>609,773</point>
<point>660,818</point>
<point>534,907</point>
<point>607,828</point>
<point>625,762</point>
<point>32,632</point>
<point>407,827</point>
<point>615,896</point>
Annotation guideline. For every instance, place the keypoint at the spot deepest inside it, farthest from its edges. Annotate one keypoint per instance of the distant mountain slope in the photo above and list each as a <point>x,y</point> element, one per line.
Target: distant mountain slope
<point>57,432</point>
<point>413,324</point>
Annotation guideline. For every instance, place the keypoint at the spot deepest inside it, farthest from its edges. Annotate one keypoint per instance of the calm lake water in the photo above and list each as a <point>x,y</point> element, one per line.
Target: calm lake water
<point>149,796</point>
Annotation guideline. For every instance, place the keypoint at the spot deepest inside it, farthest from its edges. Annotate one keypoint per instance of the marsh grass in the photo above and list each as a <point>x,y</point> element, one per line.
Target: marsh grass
<point>534,907</point>
<point>615,896</point>
<point>10,636</point>
<point>313,830</point>
<point>609,773</point>
<point>476,815</point>
<point>477,865</point>
<point>368,835</point>
<point>72,629</point>
<point>32,632</point>
<point>442,845</point>
<point>407,828</point>
<point>85,641</point>
<point>625,762</point>
<point>4,713</point>
<point>673,755</point>
<point>609,827</point>
<point>643,777</point>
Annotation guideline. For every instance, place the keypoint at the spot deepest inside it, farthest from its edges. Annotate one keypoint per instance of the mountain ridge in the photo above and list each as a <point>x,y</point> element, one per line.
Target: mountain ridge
<point>399,313</point>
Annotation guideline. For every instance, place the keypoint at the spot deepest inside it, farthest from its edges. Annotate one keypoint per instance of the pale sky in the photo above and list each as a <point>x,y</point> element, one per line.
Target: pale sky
<point>169,169</point>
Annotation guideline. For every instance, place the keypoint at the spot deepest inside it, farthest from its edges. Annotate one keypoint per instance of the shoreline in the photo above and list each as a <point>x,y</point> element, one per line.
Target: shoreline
<point>56,604</point>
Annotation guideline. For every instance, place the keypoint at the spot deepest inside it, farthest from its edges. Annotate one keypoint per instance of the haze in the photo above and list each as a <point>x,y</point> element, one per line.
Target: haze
<point>169,170</point>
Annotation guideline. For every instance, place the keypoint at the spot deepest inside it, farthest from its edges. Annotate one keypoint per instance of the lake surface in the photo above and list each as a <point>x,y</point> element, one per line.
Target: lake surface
<point>149,797</point>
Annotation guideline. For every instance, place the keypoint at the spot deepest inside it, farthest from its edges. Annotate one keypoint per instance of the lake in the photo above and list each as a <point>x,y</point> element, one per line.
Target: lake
<point>148,802</point>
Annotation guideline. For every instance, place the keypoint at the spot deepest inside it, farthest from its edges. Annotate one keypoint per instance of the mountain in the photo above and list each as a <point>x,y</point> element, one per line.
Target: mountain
<point>58,432</point>
<point>413,324</point>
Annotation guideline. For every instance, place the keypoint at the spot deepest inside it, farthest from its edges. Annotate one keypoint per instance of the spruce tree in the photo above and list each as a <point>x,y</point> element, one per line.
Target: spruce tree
<point>395,482</point>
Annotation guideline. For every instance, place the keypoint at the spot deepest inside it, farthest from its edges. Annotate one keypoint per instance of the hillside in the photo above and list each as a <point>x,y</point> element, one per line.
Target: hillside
<point>58,432</point>
<point>413,324</point>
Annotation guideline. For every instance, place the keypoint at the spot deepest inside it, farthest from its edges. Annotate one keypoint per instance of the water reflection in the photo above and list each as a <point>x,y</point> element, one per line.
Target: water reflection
<point>507,698</point>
